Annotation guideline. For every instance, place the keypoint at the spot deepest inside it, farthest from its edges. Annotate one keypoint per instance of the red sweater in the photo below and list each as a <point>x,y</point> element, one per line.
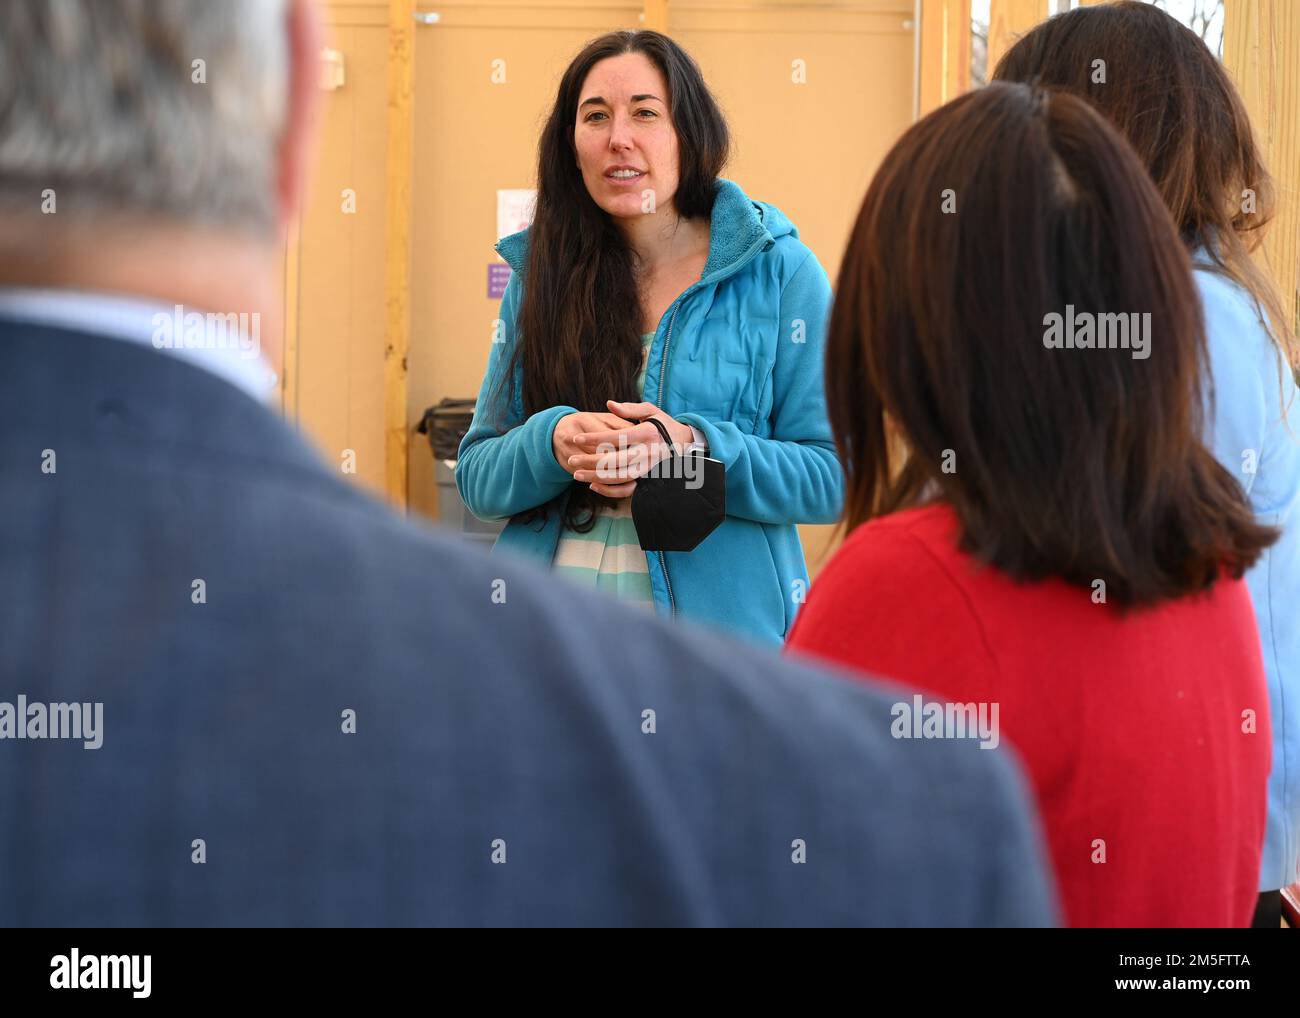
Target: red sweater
<point>1131,728</point>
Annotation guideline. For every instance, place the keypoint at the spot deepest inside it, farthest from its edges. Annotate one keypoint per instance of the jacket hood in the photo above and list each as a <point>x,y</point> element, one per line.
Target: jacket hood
<point>736,224</point>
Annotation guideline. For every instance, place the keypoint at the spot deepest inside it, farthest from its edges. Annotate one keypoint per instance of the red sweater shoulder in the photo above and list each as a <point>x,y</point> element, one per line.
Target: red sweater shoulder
<point>889,602</point>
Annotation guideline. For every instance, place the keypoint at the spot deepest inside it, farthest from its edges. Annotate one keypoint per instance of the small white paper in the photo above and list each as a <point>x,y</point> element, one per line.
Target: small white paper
<point>515,210</point>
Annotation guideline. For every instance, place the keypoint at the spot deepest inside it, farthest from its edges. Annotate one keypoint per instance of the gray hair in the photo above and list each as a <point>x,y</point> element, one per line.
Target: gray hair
<point>167,108</point>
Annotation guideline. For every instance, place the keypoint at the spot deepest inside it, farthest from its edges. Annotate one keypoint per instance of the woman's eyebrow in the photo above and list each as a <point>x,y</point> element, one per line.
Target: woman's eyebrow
<point>597,100</point>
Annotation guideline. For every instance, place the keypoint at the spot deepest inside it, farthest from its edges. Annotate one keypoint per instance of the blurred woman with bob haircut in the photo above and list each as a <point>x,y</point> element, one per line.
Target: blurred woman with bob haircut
<point>1038,535</point>
<point>1175,103</point>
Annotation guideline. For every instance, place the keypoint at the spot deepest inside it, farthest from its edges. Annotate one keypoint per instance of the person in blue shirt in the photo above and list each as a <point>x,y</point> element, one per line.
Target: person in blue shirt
<point>649,286</point>
<point>1157,80</point>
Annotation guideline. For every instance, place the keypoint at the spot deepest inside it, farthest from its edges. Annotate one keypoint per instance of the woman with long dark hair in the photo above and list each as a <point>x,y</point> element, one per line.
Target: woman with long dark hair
<point>1038,534</point>
<point>1156,80</point>
<point>649,287</point>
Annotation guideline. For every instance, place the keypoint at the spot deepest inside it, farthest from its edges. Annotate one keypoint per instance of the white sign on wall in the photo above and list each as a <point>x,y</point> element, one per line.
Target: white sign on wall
<point>515,210</point>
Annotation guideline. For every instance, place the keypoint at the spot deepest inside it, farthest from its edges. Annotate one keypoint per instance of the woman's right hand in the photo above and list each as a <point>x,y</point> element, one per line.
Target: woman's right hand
<point>571,425</point>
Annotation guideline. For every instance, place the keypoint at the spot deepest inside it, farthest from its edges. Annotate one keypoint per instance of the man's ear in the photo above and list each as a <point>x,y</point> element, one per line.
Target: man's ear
<point>303,35</point>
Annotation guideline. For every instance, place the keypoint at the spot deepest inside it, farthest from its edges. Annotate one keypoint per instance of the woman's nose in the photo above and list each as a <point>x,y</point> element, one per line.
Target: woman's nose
<point>620,137</point>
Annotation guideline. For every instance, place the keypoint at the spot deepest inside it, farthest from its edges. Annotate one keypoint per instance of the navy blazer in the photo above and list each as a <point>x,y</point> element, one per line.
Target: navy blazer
<point>504,768</point>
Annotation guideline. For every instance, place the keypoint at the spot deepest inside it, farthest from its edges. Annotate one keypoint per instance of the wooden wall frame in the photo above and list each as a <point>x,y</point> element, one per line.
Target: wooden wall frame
<point>1261,50</point>
<point>397,245</point>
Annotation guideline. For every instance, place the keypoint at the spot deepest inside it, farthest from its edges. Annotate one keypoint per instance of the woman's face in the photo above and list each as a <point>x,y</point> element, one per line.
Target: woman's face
<point>624,137</point>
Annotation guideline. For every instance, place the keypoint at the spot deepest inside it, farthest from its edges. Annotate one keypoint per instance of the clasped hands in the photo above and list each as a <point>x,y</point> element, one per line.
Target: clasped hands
<point>610,451</point>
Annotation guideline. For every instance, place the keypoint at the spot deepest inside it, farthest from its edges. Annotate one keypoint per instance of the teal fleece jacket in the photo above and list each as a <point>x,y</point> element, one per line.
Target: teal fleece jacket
<point>738,355</point>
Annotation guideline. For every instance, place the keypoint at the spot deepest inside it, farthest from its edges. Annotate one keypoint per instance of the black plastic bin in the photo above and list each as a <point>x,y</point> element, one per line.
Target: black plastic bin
<point>445,425</point>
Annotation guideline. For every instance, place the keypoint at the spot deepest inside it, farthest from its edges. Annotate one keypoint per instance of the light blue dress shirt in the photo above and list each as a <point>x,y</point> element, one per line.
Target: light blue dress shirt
<point>1255,433</point>
<point>235,355</point>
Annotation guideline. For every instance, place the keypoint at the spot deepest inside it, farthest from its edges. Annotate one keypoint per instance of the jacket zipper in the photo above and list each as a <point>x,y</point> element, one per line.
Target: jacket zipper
<point>663,374</point>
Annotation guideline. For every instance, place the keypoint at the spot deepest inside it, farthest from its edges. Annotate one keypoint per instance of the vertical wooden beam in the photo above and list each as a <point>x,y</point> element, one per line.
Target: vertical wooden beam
<point>1261,50</point>
<point>656,15</point>
<point>1008,20</point>
<point>945,52</point>
<point>397,245</point>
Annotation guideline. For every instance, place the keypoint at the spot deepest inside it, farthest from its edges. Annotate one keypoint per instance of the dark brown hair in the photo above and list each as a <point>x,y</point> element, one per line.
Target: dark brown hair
<point>1156,80</point>
<point>1084,464</point>
<point>580,319</point>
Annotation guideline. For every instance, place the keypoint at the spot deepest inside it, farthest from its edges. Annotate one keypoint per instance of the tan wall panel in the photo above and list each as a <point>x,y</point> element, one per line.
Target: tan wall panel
<point>1261,49</point>
<point>812,148</point>
<point>339,372</point>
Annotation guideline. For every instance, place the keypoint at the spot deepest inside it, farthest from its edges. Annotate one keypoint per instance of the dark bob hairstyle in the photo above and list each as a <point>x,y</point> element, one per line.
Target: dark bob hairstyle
<point>1007,209</point>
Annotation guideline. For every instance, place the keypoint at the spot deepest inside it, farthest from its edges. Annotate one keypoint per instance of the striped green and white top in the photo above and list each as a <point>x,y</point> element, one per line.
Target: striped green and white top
<point>609,557</point>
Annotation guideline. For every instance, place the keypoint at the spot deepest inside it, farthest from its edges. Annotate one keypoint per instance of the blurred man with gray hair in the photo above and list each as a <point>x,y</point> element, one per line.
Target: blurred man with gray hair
<point>312,712</point>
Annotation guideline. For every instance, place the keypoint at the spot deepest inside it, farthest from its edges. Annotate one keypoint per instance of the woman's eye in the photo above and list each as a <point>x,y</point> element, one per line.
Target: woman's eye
<point>592,118</point>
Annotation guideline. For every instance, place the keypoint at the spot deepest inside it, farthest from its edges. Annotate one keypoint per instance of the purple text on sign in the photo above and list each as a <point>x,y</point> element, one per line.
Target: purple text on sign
<point>498,277</point>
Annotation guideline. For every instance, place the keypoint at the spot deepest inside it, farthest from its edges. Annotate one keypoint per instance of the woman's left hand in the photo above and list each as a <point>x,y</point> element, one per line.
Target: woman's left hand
<point>631,452</point>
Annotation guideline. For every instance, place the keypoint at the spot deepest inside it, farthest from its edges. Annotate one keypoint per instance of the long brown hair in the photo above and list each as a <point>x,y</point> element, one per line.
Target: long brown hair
<point>1156,80</point>
<point>998,210</point>
<point>580,320</point>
